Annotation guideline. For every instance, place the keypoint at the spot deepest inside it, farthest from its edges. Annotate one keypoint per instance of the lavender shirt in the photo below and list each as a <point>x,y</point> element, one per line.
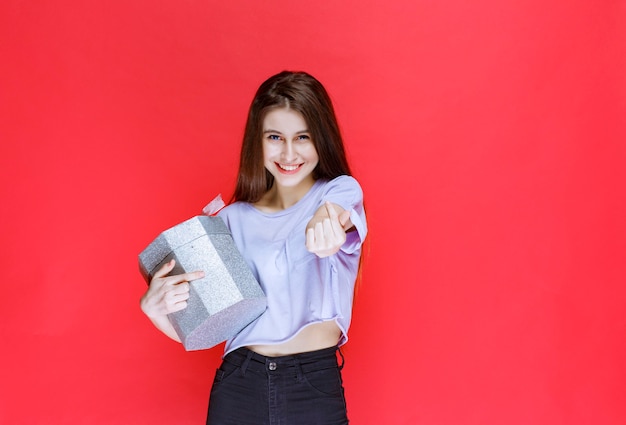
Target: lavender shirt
<point>301,288</point>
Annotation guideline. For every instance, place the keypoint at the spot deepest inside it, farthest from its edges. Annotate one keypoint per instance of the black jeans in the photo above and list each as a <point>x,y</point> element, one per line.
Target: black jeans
<point>302,389</point>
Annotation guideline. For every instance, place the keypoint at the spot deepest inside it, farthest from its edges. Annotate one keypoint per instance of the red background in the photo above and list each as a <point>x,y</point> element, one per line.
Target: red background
<point>489,138</point>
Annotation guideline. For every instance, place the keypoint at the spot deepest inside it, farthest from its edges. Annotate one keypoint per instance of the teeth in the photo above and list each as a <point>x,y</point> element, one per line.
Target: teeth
<point>288,167</point>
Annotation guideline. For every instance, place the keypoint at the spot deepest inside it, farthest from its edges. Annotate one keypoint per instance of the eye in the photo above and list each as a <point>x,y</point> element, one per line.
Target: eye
<point>303,138</point>
<point>274,137</point>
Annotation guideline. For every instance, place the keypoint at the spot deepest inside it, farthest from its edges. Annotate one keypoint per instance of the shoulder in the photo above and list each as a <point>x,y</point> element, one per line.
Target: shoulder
<point>233,211</point>
<point>343,181</point>
<point>343,190</point>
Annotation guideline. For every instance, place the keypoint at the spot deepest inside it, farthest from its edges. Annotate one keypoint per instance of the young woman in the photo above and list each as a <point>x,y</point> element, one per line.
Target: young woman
<point>298,219</point>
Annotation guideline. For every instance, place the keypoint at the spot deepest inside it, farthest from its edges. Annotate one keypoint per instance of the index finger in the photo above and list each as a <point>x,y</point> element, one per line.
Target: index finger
<point>335,223</point>
<point>169,266</point>
<point>184,277</point>
<point>332,212</point>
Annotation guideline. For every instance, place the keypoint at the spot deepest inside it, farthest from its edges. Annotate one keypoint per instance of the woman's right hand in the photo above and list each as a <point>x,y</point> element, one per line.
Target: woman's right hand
<point>167,294</point>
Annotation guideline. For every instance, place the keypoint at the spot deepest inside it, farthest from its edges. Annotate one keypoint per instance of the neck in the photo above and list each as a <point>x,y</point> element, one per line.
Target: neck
<point>280,198</point>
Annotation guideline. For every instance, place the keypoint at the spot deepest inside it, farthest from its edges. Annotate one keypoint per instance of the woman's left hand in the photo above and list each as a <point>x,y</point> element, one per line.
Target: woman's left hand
<point>326,232</point>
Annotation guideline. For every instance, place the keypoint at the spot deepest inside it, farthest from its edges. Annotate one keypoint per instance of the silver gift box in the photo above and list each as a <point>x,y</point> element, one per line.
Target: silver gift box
<point>222,303</point>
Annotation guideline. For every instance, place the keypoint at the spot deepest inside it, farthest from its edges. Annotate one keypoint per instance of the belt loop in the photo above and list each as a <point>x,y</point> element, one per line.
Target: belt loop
<point>299,374</point>
<point>245,363</point>
<point>343,360</point>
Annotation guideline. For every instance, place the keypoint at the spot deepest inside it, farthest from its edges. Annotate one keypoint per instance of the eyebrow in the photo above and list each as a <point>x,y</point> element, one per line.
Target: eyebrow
<point>276,131</point>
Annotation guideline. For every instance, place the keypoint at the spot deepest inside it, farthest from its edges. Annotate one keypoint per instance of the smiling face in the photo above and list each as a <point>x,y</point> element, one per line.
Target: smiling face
<point>301,93</point>
<point>288,151</point>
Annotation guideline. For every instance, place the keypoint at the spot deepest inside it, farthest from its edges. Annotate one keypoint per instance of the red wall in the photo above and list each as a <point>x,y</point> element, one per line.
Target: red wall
<point>489,138</point>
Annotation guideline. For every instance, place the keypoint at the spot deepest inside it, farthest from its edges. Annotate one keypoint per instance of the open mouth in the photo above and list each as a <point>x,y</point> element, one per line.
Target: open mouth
<point>288,168</point>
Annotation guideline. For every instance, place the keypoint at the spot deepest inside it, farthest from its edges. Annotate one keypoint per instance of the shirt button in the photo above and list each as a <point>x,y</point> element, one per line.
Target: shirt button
<point>272,366</point>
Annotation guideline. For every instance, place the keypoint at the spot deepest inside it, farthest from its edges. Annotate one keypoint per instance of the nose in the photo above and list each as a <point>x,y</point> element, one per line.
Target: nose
<point>289,153</point>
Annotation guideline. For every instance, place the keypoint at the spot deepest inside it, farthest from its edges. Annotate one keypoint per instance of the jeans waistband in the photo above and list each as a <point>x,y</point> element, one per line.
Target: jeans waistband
<point>305,362</point>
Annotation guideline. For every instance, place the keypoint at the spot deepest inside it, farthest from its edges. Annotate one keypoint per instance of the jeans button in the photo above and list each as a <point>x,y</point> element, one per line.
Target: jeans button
<point>272,366</point>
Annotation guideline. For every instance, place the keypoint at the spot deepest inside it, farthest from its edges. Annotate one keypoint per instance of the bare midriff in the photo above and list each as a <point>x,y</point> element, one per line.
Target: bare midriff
<point>313,337</point>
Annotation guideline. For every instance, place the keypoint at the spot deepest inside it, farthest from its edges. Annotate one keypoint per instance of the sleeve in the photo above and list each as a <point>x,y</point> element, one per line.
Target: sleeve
<point>227,213</point>
<point>346,192</point>
<point>223,214</point>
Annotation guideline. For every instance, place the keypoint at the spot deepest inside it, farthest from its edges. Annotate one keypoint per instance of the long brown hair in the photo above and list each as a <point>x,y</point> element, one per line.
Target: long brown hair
<point>302,93</point>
